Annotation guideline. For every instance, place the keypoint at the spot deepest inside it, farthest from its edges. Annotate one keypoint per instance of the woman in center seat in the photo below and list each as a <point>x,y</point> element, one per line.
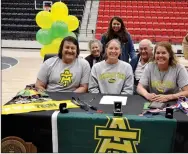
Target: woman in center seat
<point>111,76</point>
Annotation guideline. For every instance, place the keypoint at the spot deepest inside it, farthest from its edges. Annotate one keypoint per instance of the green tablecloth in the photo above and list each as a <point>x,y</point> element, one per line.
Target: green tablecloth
<point>83,132</point>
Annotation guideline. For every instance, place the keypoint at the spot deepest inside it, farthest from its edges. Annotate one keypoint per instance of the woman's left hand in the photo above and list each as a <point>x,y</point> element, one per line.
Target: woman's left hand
<point>161,98</point>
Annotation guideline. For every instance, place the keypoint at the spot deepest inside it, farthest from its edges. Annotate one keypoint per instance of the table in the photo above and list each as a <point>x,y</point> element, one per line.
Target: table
<point>79,131</point>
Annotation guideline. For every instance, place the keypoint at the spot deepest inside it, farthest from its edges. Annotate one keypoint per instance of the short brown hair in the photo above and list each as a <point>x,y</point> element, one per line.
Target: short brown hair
<point>172,59</point>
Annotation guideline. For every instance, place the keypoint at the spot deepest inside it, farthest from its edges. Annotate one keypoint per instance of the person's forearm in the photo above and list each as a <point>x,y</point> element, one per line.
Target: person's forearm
<point>40,87</point>
<point>81,90</point>
<point>177,95</point>
<point>142,91</point>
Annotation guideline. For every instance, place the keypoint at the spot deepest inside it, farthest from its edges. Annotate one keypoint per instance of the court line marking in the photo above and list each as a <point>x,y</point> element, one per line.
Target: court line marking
<point>7,64</point>
<point>11,65</point>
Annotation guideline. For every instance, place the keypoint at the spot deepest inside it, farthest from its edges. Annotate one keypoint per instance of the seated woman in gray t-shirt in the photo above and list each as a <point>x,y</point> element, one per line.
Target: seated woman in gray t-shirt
<point>164,79</point>
<point>111,76</point>
<point>65,72</point>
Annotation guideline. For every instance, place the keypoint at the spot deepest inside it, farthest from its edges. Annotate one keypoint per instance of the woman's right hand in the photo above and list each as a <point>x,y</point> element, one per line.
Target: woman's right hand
<point>150,96</point>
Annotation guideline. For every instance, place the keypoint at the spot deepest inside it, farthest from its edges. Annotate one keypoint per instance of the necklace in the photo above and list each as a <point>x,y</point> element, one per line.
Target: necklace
<point>162,75</point>
<point>161,85</point>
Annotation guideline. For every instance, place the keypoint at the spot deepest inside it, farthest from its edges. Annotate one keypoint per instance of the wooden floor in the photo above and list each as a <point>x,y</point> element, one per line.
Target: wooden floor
<point>25,72</point>
<point>16,78</point>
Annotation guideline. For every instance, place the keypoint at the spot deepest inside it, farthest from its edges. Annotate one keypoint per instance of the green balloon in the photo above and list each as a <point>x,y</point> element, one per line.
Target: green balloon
<point>59,29</point>
<point>44,36</point>
<point>71,34</point>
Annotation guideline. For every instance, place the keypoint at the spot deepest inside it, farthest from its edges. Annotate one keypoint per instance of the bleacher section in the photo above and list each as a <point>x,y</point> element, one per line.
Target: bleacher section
<point>157,20</point>
<point>18,17</point>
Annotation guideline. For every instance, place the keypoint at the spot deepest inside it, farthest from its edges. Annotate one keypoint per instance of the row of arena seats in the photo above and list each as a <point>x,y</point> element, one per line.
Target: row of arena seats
<point>25,16</point>
<point>19,27</point>
<point>145,8</point>
<point>32,10</point>
<point>154,25</point>
<point>145,19</point>
<point>19,35</point>
<point>153,38</point>
<point>157,20</point>
<point>142,13</point>
<point>41,1</point>
<point>18,21</point>
<point>18,17</point>
<point>145,31</point>
<point>27,5</point>
<point>173,3</point>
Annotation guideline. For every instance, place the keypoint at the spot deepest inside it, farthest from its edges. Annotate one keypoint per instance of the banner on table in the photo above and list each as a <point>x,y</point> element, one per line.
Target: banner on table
<point>24,108</point>
<point>89,133</point>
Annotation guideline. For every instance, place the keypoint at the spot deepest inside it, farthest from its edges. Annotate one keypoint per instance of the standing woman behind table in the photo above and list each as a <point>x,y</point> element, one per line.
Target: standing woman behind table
<point>117,30</point>
<point>95,47</point>
<point>164,79</point>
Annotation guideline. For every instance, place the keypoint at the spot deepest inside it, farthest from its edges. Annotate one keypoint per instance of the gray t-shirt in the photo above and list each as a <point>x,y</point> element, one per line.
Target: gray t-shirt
<point>111,78</point>
<point>168,82</point>
<point>63,77</point>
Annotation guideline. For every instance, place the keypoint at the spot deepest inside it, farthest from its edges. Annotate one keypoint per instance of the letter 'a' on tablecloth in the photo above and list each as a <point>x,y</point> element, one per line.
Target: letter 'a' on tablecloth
<point>82,132</point>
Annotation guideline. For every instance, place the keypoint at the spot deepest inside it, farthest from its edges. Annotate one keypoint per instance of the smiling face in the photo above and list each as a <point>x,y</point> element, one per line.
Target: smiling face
<point>95,49</point>
<point>116,25</point>
<point>113,51</point>
<point>145,51</point>
<point>69,52</point>
<point>162,56</point>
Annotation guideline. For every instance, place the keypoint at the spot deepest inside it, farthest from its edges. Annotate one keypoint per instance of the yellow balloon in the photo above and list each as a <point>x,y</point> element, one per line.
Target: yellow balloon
<point>59,11</point>
<point>72,22</point>
<point>44,19</point>
<point>42,53</point>
<point>52,48</point>
<point>57,42</point>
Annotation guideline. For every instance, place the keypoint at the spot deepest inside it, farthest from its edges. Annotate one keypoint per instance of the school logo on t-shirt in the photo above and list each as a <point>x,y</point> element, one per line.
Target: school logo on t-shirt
<point>66,78</point>
<point>162,86</point>
<point>112,80</point>
<point>112,77</point>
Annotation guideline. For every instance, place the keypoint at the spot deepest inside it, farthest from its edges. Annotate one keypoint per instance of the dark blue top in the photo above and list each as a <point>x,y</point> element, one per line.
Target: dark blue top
<point>127,48</point>
<point>134,63</point>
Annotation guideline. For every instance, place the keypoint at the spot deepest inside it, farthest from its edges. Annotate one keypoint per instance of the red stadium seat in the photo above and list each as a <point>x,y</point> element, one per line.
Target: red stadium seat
<point>155,20</point>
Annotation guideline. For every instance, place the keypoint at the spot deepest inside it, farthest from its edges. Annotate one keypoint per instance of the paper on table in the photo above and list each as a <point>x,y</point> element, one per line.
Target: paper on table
<point>112,99</point>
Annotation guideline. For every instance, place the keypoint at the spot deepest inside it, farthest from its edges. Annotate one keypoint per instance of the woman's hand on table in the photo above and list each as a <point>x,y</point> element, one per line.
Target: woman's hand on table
<point>161,98</point>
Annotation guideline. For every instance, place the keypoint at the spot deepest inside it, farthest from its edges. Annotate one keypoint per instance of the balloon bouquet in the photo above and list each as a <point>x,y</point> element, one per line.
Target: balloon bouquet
<point>55,26</point>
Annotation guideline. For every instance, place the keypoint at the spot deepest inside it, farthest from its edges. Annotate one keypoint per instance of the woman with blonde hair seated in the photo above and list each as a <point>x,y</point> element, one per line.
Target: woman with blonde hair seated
<point>111,76</point>
<point>164,79</point>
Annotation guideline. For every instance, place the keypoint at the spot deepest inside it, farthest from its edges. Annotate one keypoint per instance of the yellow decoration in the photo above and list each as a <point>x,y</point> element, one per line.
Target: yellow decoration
<point>72,22</point>
<point>44,19</point>
<point>24,108</point>
<point>59,11</point>
<point>52,48</point>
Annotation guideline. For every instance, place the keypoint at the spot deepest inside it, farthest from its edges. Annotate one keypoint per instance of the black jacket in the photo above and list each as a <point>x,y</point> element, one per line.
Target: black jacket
<point>134,63</point>
<point>90,59</point>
